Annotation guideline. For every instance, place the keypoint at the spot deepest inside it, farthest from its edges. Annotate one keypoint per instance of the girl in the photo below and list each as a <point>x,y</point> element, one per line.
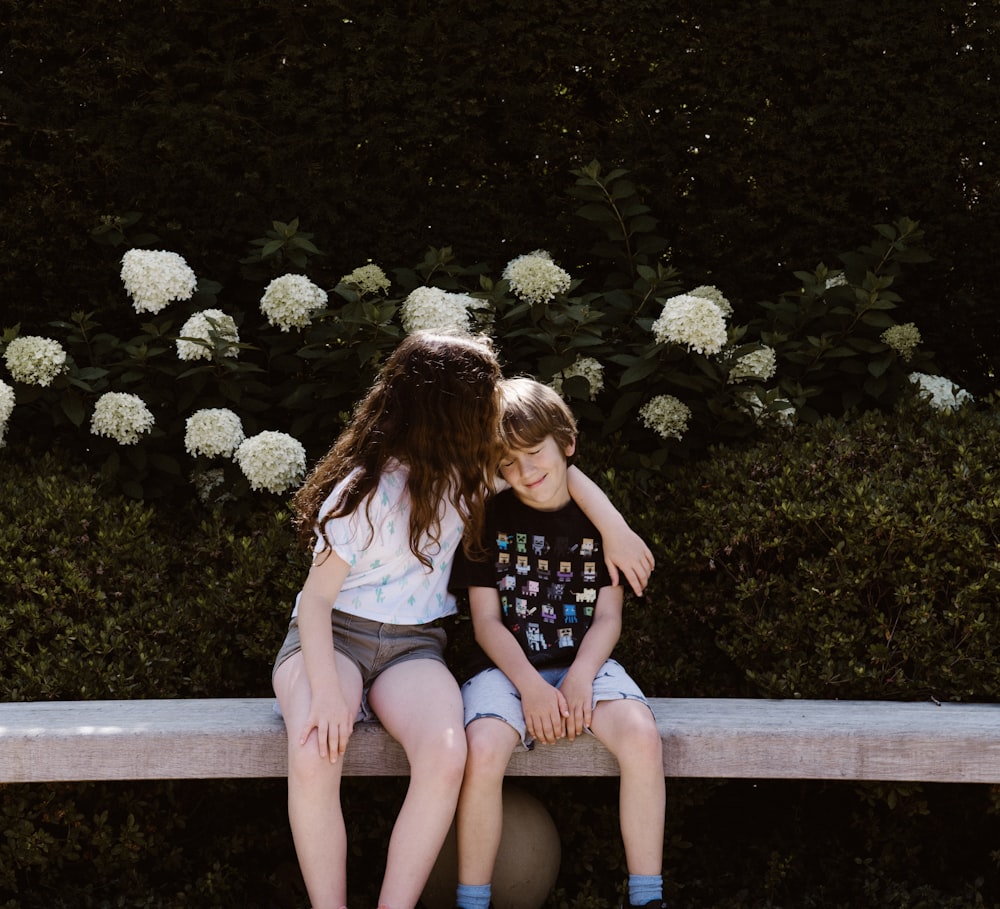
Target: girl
<point>388,505</point>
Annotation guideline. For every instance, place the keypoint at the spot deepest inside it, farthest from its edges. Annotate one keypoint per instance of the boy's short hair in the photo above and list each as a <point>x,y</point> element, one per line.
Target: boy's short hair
<point>531,411</point>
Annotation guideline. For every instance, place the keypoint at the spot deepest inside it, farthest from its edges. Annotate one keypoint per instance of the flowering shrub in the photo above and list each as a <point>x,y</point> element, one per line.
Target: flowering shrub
<point>271,460</point>
<point>7,398</point>
<point>941,393</point>
<point>535,278</point>
<point>291,301</point>
<point>35,361</point>
<point>213,432</point>
<point>433,309</point>
<point>122,417</point>
<point>203,331</point>
<point>155,278</point>
<point>651,367</point>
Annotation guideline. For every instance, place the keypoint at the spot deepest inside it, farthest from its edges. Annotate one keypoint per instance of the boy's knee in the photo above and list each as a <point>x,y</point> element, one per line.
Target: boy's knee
<point>490,747</point>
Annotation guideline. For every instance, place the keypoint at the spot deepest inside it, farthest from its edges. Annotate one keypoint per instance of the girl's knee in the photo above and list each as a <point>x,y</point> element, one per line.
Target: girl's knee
<point>307,769</point>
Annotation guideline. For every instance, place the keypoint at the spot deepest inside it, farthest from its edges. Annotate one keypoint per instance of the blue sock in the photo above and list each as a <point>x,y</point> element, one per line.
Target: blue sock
<point>644,888</point>
<point>473,896</point>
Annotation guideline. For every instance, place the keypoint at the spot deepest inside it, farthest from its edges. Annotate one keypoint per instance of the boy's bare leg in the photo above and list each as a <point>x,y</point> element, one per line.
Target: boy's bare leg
<point>480,806</point>
<point>628,730</point>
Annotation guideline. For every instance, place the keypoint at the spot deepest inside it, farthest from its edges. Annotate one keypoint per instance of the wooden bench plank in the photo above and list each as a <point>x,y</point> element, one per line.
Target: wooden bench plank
<point>702,737</point>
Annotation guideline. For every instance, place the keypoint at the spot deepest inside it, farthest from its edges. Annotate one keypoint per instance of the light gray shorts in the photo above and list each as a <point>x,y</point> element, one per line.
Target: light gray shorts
<point>491,694</point>
<point>373,646</point>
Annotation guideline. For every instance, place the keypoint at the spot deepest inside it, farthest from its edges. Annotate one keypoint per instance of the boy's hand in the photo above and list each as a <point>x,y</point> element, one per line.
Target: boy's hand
<point>579,694</point>
<point>545,712</point>
<point>626,552</point>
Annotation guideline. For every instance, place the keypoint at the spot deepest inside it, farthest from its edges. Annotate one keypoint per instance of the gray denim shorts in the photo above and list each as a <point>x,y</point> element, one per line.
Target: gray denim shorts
<point>491,694</point>
<point>373,646</point>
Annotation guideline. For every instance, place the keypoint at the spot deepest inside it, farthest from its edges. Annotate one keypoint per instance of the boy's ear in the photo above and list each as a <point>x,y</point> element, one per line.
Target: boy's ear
<point>570,449</point>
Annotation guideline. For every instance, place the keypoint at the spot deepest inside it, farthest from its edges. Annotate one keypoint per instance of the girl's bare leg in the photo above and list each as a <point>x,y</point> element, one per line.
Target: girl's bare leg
<point>420,705</point>
<point>314,811</point>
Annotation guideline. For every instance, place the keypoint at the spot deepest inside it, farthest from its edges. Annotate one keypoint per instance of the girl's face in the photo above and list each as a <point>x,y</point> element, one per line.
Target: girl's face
<point>537,473</point>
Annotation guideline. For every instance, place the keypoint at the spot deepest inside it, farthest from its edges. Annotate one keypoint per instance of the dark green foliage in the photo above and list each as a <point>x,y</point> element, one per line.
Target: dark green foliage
<point>102,598</point>
<point>850,559</point>
<point>761,135</point>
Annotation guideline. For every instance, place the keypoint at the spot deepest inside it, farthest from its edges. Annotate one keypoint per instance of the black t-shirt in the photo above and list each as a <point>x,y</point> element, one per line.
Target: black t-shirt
<point>548,567</point>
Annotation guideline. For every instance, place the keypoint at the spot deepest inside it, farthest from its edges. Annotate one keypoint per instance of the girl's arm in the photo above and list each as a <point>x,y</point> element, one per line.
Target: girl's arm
<point>329,713</point>
<point>624,549</point>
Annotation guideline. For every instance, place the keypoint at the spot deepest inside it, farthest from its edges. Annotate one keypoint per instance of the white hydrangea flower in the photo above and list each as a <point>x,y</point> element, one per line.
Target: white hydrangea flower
<point>758,365</point>
<point>271,460</point>
<point>35,360</point>
<point>154,278</point>
<point>710,292</point>
<point>942,393</point>
<point>213,432</point>
<point>200,327</point>
<point>666,415</point>
<point>368,279</point>
<point>904,339</point>
<point>535,278</point>
<point>291,301</point>
<point>592,370</point>
<point>433,309</point>
<point>837,280</point>
<point>6,408</point>
<point>122,417</point>
<point>696,322</point>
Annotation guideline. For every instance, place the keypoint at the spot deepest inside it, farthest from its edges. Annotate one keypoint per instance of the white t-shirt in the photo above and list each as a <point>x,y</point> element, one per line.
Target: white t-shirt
<point>386,582</point>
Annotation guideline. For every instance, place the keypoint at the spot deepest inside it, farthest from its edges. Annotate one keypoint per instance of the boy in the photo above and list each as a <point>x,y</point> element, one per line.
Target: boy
<point>546,619</point>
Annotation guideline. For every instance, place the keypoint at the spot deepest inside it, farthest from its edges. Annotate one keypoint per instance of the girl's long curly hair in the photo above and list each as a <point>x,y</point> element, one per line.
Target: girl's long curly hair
<point>434,408</point>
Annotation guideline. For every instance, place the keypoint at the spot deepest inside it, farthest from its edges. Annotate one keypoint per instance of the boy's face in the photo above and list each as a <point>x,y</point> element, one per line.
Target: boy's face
<point>537,474</point>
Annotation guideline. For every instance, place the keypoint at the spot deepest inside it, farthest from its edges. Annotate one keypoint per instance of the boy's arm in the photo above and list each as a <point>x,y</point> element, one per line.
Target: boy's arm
<point>544,706</point>
<point>597,645</point>
<point>624,549</point>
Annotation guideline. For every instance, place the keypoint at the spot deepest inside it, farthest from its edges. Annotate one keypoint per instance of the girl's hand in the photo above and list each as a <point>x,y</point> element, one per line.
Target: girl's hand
<point>333,722</point>
<point>626,552</point>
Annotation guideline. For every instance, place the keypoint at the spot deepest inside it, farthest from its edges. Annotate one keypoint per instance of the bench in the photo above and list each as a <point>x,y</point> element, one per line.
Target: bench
<point>722,738</point>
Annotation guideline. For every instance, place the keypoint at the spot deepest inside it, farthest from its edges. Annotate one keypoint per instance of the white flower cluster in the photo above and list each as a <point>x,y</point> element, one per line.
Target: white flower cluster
<point>213,432</point>
<point>942,393</point>
<point>122,417</point>
<point>696,322</point>
<point>666,415</point>
<point>758,365</point>
<point>589,368</point>
<point>6,408</point>
<point>433,309</point>
<point>196,341</point>
<point>710,292</point>
<point>535,278</point>
<point>34,360</point>
<point>291,301</point>
<point>904,339</point>
<point>154,278</point>
<point>367,279</point>
<point>271,460</point>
